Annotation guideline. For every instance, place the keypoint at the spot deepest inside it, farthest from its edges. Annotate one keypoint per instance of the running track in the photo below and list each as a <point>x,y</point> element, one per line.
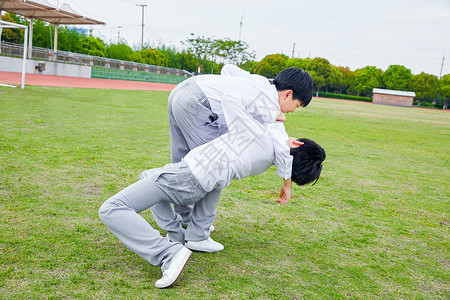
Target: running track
<point>76,82</point>
<point>97,83</point>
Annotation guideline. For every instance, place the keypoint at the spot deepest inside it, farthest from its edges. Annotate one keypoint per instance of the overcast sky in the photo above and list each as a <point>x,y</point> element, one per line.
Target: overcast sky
<point>353,33</point>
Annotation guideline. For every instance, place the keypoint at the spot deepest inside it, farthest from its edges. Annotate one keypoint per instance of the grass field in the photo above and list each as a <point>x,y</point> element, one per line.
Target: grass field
<point>376,225</point>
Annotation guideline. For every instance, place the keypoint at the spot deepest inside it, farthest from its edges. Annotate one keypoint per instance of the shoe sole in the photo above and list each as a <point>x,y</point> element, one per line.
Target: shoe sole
<point>181,271</point>
<point>193,248</point>
<point>186,258</point>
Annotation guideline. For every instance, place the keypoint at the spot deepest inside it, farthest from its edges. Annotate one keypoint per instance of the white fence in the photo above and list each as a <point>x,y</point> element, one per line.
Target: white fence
<point>16,50</point>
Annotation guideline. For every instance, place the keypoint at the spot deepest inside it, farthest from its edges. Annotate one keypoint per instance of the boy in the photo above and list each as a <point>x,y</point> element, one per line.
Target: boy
<point>246,150</point>
<point>196,116</point>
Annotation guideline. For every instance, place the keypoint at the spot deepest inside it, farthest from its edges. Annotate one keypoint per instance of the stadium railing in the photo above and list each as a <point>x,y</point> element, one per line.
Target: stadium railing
<point>37,53</point>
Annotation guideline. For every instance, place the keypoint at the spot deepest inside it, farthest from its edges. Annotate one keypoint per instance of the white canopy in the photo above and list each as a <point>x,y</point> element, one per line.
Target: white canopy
<point>43,10</point>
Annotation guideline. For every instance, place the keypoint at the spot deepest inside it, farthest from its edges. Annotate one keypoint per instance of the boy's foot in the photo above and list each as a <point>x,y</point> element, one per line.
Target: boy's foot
<point>172,274</point>
<point>208,245</point>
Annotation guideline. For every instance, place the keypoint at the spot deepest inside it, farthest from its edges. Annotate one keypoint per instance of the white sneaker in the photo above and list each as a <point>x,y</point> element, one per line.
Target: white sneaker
<point>172,274</point>
<point>208,245</point>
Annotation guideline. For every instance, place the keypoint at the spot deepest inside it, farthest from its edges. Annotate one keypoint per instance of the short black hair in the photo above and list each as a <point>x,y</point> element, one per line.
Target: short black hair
<point>307,162</point>
<point>299,81</point>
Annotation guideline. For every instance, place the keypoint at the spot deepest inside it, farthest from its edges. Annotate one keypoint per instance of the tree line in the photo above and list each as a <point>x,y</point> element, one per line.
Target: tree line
<point>361,82</point>
<point>208,55</point>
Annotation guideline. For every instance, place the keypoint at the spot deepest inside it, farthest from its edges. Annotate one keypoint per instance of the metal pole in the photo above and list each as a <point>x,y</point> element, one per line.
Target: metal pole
<point>30,43</point>
<point>24,63</point>
<point>55,46</point>
<point>442,66</point>
<point>142,37</point>
<point>240,30</point>
<point>1,28</point>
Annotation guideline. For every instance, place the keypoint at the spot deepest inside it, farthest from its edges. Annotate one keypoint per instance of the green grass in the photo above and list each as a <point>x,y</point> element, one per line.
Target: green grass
<point>376,225</point>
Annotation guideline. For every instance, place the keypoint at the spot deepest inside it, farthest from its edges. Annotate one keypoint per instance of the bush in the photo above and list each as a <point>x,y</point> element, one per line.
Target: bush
<point>119,51</point>
<point>427,104</point>
<point>346,97</point>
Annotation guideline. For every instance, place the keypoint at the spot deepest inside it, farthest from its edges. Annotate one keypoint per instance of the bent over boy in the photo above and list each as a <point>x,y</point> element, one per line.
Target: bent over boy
<point>246,150</point>
<point>196,116</point>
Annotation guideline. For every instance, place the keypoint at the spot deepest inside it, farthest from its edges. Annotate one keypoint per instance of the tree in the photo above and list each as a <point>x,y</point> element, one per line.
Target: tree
<point>207,49</point>
<point>186,61</point>
<point>42,35</point>
<point>297,63</point>
<point>345,80</point>
<point>425,86</point>
<point>12,35</point>
<point>69,39</point>
<point>271,65</point>
<point>249,65</point>
<point>150,56</point>
<point>444,89</point>
<point>93,46</point>
<point>201,47</point>
<point>366,80</point>
<point>232,51</point>
<point>322,72</point>
<point>203,50</point>
<point>396,77</point>
<point>119,51</point>
<point>179,60</point>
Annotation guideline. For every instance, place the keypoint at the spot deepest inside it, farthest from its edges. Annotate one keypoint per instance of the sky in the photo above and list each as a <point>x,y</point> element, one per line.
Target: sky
<point>352,33</point>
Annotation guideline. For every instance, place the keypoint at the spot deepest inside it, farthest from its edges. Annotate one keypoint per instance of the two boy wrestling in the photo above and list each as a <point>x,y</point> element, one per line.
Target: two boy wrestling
<point>222,128</point>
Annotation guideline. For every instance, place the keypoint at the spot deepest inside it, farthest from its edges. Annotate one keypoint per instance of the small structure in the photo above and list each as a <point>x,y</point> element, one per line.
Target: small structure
<point>393,97</point>
<point>42,10</point>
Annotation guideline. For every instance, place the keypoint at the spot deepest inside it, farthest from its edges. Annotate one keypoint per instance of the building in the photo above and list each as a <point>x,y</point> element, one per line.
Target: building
<point>392,97</point>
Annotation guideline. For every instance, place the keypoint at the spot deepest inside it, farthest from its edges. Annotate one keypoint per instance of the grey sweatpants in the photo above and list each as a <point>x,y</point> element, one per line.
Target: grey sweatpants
<point>191,124</point>
<point>174,183</point>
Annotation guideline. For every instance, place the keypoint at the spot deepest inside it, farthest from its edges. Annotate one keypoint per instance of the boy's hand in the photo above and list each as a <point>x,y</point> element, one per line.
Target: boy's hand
<point>280,116</point>
<point>285,193</point>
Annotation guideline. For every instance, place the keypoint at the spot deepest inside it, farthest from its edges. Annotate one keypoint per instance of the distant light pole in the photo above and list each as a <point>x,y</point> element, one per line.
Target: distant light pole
<point>142,37</point>
<point>240,29</point>
<point>442,66</point>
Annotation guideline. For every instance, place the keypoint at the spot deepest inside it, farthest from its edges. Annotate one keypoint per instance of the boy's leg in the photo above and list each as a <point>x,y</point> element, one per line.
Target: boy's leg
<point>202,217</point>
<point>191,124</point>
<point>120,214</point>
<point>191,121</point>
<point>172,222</point>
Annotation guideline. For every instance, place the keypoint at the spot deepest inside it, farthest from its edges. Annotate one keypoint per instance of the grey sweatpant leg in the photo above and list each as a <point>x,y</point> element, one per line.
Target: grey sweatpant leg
<point>120,213</point>
<point>191,124</point>
<point>203,214</point>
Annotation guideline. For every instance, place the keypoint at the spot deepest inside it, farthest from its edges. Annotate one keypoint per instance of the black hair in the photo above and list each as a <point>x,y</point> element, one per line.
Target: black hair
<point>307,162</point>
<point>299,81</point>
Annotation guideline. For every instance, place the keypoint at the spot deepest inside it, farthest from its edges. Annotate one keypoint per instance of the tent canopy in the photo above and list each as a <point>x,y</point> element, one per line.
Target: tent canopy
<point>43,10</point>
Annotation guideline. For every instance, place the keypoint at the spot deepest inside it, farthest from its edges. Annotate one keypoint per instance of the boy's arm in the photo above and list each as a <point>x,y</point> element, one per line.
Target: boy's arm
<point>283,159</point>
<point>243,128</point>
<point>239,120</point>
<point>285,193</point>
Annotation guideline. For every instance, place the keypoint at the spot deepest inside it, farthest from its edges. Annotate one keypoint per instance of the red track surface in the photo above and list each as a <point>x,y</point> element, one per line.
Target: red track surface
<point>96,83</point>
